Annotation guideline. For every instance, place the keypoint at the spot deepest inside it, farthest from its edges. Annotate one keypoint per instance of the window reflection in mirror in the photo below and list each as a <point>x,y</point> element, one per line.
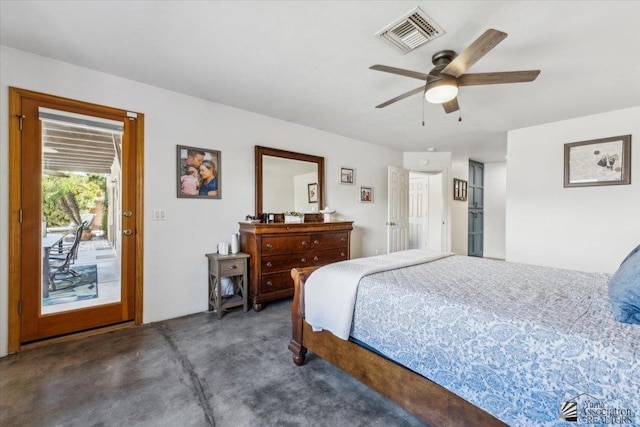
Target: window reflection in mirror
<point>285,184</point>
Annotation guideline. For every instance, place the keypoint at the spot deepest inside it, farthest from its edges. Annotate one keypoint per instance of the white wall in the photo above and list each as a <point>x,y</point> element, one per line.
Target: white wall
<point>280,196</point>
<point>175,281</point>
<point>301,186</point>
<point>580,228</point>
<point>495,188</point>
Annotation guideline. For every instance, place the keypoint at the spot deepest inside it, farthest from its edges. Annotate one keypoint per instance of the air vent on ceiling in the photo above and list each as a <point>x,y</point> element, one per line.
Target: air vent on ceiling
<point>411,31</point>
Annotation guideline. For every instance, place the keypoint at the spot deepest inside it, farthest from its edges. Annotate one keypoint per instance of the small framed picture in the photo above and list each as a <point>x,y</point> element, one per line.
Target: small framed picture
<point>347,175</point>
<point>366,195</point>
<point>459,189</point>
<point>313,192</point>
<point>198,173</point>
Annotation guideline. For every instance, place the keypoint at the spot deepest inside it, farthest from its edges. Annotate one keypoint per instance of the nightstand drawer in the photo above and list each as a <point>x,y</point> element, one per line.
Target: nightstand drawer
<point>232,267</point>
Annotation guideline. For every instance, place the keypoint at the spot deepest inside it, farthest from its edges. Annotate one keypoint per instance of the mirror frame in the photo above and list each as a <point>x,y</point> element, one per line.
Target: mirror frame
<point>274,152</point>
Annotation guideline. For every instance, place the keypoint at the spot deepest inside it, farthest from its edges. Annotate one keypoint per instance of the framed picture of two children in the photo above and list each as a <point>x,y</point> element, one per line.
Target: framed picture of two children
<point>198,173</point>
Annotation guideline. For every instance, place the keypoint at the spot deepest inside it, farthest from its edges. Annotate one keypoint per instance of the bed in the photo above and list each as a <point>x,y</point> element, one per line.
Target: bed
<point>459,340</point>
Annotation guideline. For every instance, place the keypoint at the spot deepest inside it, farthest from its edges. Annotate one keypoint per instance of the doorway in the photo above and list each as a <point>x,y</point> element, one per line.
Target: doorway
<point>76,216</point>
<point>415,210</point>
<point>425,211</point>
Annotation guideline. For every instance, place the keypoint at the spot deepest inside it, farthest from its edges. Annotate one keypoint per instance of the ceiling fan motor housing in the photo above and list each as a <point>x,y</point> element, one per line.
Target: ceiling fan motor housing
<point>441,59</point>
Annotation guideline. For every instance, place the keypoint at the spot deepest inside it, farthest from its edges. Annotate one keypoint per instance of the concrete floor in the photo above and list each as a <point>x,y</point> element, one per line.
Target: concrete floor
<point>191,371</point>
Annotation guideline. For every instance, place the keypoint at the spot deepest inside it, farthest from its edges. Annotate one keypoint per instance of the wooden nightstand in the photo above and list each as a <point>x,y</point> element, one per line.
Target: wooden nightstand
<point>233,266</point>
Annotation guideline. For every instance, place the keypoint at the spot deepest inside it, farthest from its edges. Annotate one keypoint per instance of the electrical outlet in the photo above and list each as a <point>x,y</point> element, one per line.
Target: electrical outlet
<point>159,215</point>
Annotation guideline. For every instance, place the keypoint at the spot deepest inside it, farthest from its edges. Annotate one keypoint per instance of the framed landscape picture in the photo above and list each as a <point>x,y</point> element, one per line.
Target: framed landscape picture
<point>198,173</point>
<point>605,161</point>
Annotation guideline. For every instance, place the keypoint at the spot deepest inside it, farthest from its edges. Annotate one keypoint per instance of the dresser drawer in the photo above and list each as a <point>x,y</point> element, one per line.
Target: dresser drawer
<point>275,282</point>
<point>328,256</point>
<point>329,240</point>
<point>285,244</point>
<point>231,267</point>
<point>274,263</point>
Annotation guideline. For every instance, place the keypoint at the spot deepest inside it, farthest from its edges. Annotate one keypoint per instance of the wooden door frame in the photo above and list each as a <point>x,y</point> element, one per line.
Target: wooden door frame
<point>15,203</point>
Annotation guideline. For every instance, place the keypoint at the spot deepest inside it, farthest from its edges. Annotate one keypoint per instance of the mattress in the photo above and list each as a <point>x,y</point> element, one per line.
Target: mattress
<point>522,342</point>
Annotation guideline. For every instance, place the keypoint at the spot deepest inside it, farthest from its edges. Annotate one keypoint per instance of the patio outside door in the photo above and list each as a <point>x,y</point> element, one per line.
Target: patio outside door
<point>78,210</point>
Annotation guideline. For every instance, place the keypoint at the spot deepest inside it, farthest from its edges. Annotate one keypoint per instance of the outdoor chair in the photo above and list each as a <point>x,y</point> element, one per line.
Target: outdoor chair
<point>60,263</point>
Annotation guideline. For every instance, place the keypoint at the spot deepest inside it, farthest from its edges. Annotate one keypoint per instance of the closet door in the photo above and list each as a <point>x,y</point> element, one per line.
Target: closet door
<point>476,209</point>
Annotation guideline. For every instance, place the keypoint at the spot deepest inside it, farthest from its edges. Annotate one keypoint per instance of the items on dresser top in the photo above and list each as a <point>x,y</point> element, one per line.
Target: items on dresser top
<point>276,248</point>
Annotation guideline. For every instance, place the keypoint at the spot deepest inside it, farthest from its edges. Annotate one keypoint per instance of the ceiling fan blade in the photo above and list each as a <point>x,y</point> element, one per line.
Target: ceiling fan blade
<point>451,106</point>
<point>498,78</point>
<point>402,72</point>
<point>476,50</point>
<point>401,97</point>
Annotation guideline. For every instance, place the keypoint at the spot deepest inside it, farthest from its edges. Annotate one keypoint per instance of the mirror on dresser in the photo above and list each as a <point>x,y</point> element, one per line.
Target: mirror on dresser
<point>276,247</point>
<point>288,181</point>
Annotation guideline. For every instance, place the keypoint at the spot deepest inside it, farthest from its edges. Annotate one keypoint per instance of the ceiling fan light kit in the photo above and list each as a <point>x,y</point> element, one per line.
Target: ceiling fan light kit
<point>442,82</point>
<point>441,91</point>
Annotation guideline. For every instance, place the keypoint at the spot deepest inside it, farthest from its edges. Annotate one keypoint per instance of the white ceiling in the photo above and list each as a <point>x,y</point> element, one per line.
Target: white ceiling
<point>307,62</point>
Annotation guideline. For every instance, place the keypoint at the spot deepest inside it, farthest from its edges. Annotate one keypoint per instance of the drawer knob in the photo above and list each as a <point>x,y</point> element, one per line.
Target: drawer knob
<point>269,283</point>
<point>269,246</point>
<point>342,254</point>
<point>316,242</point>
<point>303,260</point>
<point>304,243</point>
<point>232,267</point>
<point>315,258</point>
<point>344,239</point>
<point>269,264</point>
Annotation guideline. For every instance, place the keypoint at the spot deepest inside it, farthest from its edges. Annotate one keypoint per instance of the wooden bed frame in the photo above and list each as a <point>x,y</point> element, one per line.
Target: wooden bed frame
<point>425,399</point>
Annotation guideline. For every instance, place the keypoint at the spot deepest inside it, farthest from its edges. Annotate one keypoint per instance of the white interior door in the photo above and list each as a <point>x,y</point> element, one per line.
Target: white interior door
<point>397,209</point>
<point>436,233</point>
<point>418,210</point>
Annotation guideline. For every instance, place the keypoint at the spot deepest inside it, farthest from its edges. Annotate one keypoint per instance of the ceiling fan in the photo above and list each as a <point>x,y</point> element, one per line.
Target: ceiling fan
<point>443,80</point>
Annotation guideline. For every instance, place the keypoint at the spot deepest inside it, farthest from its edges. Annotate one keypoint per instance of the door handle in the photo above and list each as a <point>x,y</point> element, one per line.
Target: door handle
<point>391,223</point>
<point>127,213</point>
<point>127,232</point>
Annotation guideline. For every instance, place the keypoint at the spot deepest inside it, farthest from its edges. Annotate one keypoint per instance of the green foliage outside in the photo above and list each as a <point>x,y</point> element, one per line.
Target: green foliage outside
<point>85,188</point>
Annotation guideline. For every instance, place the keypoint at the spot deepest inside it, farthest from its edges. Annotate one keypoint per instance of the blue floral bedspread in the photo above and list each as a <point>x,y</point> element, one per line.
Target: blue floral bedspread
<point>519,341</point>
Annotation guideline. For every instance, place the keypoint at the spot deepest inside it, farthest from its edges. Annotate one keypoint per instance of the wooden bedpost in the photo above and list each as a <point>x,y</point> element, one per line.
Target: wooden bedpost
<point>299,276</point>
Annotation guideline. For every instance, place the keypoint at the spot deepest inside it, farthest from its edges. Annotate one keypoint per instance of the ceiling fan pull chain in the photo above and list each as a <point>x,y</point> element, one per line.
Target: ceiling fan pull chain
<point>460,115</point>
<point>423,100</point>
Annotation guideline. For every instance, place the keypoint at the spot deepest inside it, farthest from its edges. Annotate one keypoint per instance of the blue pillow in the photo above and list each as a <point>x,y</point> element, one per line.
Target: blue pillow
<point>624,289</point>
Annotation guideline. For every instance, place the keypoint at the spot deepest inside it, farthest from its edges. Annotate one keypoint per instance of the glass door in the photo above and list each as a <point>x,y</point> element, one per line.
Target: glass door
<point>81,175</point>
<point>78,190</point>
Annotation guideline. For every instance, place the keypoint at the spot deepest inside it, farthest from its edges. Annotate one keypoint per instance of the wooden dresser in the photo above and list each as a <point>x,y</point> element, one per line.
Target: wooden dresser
<point>276,248</point>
